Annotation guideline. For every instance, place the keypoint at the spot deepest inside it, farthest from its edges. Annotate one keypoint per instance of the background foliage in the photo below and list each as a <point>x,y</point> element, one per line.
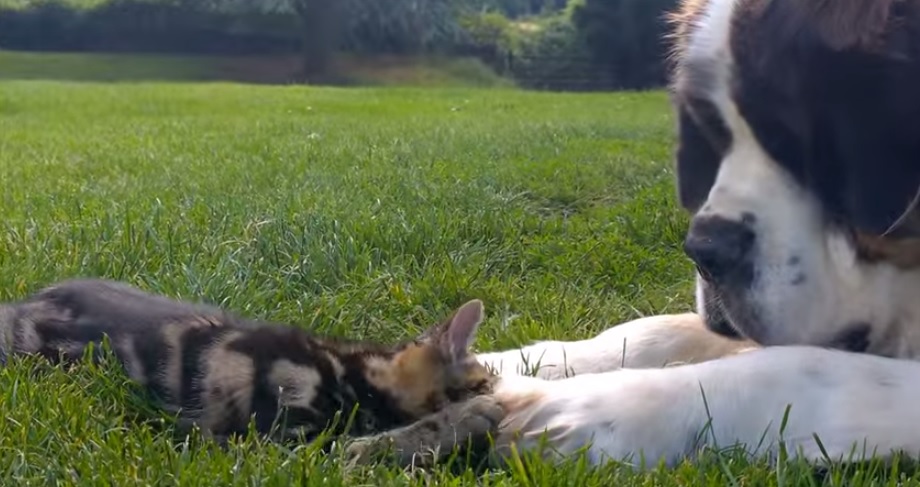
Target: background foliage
<point>563,44</point>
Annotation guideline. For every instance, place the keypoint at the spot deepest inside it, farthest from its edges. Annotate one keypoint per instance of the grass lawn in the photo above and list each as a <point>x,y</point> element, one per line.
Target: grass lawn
<point>366,212</point>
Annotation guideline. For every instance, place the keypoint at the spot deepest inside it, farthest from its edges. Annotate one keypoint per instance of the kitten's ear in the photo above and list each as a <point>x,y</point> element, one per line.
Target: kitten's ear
<point>457,335</point>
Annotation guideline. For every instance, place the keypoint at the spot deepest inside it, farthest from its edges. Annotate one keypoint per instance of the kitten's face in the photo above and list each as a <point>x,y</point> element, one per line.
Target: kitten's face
<point>438,368</point>
<point>427,380</point>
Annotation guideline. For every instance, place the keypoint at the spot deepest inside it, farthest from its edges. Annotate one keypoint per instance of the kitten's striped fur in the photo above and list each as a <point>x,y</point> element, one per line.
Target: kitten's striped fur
<point>219,370</point>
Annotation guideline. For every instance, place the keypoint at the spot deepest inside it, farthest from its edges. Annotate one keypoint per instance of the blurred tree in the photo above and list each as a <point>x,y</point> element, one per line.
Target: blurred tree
<point>402,26</point>
<point>625,36</point>
<point>321,24</point>
<point>517,8</point>
<point>554,56</point>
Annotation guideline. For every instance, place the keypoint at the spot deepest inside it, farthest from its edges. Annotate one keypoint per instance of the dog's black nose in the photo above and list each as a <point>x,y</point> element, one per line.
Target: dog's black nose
<point>720,248</point>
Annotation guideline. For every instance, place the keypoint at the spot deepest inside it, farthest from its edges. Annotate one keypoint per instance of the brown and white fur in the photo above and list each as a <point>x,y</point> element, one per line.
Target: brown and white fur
<point>220,371</point>
<point>799,159</point>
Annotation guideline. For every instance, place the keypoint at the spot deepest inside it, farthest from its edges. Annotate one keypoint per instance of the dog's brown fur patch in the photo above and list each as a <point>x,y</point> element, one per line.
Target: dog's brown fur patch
<point>903,253</point>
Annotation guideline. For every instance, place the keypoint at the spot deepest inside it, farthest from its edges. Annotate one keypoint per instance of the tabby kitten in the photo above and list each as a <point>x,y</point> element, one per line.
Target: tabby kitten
<point>219,371</point>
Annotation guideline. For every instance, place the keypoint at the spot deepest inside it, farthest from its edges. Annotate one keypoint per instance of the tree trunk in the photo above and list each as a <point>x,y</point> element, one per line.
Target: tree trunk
<point>321,30</point>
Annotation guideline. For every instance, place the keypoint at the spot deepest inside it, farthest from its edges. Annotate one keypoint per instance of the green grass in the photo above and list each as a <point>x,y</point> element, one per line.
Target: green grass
<point>277,69</point>
<point>76,4</point>
<point>15,65</point>
<point>362,212</point>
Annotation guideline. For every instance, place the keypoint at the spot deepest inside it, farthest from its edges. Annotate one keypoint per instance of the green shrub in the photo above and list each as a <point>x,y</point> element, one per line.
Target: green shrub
<point>552,54</point>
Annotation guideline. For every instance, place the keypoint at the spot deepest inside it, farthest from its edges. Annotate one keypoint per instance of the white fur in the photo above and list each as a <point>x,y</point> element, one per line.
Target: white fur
<point>652,342</point>
<point>684,388</point>
<point>710,41</point>
<point>633,402</point>
<point>857,405</point>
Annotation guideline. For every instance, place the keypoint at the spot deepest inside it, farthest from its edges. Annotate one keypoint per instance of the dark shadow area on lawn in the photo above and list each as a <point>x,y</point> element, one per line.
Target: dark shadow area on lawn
<point>274,69</point>
<point>17,65</point>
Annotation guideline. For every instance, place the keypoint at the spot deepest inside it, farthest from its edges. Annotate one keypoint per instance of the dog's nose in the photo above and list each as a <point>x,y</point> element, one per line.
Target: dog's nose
<point>720,247</point>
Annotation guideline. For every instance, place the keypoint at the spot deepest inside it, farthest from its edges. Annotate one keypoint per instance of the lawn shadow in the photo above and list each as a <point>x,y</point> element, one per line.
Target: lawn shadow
<point>105,67</point>
<point>348,70</point>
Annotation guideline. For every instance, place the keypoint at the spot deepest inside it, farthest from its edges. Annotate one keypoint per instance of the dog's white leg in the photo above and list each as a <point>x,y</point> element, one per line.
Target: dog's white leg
<point>848,400</point>
<point>651,342</point>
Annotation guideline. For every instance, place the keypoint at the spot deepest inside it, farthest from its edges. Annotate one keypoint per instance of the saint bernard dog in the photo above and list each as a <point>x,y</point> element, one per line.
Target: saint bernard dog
<point>799,159</point>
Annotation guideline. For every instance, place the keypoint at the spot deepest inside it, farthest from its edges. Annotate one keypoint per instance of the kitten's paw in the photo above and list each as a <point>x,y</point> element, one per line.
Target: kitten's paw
<point>476,417</point>
<point>364,450</point>
<point>424,441</point>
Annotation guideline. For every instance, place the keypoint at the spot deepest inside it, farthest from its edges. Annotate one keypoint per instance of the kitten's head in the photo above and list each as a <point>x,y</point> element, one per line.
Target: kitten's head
<point>438,367</point>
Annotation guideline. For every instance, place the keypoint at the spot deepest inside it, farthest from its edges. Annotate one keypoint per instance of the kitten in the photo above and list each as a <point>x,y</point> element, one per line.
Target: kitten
<point>218,371</point>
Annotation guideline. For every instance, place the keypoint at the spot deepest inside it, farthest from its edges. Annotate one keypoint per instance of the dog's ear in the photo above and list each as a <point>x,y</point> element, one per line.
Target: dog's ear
<point>884,199</point>
<point>839,24</point>
<point>865,107</point>
<point>879,174</point>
